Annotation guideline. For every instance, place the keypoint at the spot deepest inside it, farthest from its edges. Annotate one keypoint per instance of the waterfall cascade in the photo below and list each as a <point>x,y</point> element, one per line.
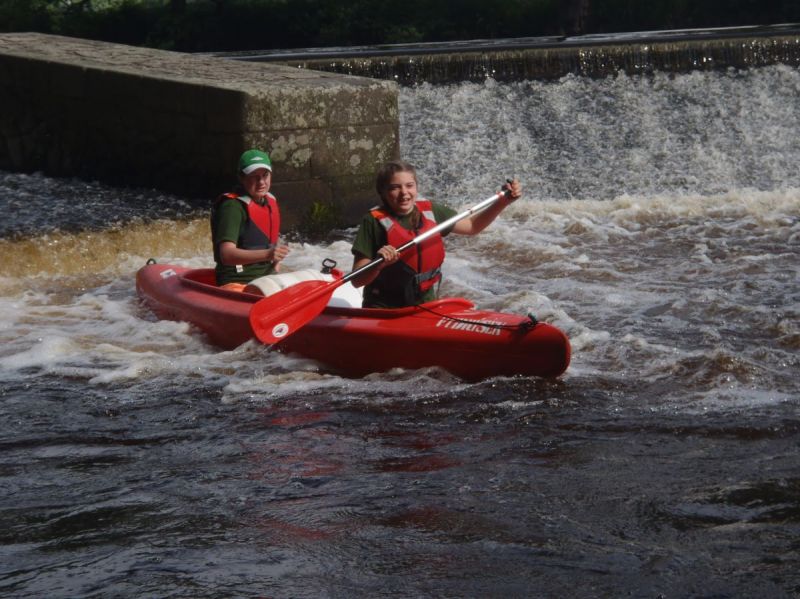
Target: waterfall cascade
<point>553,57</point>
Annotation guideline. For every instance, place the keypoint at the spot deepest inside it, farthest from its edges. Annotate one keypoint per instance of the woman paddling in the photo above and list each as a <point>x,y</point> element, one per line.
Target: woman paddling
<point>245,225</point>
<point>413,277</point>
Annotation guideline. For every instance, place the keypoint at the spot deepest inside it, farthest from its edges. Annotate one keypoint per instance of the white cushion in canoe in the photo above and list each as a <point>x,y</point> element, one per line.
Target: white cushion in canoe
<point>344,296</point>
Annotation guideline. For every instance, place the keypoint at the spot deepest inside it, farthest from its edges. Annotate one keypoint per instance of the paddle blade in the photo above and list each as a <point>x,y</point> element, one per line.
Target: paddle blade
<point>279,315</point>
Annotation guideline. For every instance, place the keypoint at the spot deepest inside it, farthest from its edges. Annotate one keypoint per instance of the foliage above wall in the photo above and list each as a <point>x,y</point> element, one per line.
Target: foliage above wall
<point>229,25</point>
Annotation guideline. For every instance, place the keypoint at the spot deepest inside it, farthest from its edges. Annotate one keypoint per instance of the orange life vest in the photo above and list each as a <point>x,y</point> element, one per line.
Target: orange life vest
<point>418,269</point>
<point>263,225</point>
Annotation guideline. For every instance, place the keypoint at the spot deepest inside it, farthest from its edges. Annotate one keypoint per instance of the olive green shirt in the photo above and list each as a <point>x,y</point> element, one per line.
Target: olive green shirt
<point>227,220</point>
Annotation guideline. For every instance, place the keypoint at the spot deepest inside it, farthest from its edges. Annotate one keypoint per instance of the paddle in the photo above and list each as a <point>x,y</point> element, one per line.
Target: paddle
<point>281,314</point>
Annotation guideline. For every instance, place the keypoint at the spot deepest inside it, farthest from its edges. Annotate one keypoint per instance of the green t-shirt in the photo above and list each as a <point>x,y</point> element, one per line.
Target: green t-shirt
<point>227,220</point>
<point>371,236</point>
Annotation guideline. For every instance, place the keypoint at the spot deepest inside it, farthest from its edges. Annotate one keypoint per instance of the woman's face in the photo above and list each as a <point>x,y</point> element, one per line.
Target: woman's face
<point>257,183</point>
<point>401,193</point>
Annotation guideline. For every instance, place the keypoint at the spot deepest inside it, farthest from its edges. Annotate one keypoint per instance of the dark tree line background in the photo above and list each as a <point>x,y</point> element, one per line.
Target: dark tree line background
<point>229,25</point>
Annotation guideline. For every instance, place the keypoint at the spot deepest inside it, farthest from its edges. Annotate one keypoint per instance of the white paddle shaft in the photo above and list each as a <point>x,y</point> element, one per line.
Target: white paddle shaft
<point>429,233</point>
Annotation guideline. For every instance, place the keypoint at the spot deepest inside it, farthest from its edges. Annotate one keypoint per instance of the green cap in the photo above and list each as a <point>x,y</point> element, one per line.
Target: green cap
<point>254,159</point>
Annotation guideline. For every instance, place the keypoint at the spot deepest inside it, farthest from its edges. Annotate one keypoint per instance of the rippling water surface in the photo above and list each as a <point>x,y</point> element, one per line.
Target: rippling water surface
<point>660,230</point>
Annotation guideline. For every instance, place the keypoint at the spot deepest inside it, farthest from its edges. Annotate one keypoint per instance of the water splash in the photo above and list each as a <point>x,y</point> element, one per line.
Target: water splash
<point>698,133</point>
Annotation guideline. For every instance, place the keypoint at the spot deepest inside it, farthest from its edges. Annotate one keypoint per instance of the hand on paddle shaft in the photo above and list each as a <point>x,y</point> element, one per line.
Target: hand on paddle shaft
<point>513,189</point>
<point>281,314</point>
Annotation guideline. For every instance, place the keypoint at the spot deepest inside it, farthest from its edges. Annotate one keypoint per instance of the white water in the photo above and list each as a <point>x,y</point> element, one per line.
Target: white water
<point>660,229</point>
<point>700,133</point>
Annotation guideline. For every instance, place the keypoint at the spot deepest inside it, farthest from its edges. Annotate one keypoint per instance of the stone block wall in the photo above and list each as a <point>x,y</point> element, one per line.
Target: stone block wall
<point>178,122</point>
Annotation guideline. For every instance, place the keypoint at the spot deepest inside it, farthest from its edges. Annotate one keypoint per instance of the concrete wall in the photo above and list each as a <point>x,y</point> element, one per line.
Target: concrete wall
<point>178,122</point>
<point>586,56</point>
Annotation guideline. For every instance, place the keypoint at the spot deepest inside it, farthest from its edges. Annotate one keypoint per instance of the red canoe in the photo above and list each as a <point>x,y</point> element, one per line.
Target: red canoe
<point>449,333</point>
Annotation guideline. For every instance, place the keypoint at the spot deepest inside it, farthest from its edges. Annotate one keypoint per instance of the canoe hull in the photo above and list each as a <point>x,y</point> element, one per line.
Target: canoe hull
<point>448,333</point>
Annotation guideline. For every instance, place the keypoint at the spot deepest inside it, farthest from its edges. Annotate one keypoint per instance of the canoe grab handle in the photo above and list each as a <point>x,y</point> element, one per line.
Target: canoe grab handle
<point>328,265</point>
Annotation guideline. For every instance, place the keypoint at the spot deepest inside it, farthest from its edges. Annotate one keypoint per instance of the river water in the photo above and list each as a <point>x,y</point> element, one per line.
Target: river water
<point>660,230</point>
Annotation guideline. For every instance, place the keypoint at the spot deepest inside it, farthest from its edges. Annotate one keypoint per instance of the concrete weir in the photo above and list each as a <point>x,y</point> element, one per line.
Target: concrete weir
<point>602,55</point>
<point>178,122</point>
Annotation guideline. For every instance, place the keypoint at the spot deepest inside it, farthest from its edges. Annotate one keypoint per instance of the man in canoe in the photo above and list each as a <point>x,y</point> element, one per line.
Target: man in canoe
<point>245,225</point>
<point>413,277</point>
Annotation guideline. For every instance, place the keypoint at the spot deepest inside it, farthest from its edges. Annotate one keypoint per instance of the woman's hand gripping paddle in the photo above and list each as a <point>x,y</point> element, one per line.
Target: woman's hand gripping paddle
<point>281,314</point>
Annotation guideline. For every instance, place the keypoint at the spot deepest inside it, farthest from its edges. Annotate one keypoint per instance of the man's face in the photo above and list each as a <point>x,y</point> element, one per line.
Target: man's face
<point>257,183</point>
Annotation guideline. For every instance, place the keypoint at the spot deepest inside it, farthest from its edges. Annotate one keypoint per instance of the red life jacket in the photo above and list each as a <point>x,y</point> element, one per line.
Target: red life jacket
<point>263,224</point>
<point>418,269</point>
